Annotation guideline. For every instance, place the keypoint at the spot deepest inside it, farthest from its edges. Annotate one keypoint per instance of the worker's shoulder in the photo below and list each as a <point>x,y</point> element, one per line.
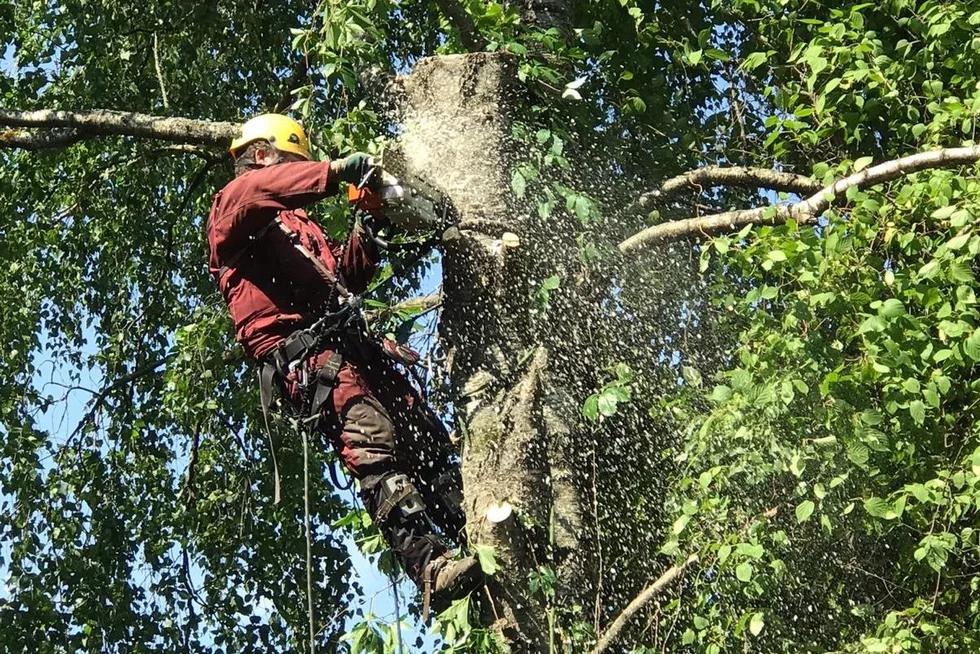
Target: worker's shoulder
<point>231,195</point>
<point>236,186</point>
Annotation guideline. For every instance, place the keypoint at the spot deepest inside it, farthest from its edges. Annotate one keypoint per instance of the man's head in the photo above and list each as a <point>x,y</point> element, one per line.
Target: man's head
<point>267,140</point>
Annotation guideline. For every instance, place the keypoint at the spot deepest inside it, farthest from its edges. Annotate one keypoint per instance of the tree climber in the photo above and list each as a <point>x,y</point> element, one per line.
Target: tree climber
<point>280,274</point>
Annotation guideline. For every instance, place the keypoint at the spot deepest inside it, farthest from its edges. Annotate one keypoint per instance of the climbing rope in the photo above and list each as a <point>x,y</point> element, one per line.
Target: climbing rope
<point>309,547</point>
<point>398,618</point>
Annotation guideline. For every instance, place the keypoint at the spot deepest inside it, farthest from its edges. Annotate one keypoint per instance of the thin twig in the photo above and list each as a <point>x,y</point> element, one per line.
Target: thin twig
<point>423,303</point>
<point>96,402</point>
<point>196,150</point>
<point>156,64</point>
<point>666,579</point>
<point>192,465</point>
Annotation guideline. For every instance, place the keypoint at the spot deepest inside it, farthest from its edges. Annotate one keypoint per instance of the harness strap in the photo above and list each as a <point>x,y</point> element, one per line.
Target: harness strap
<point>266,374</point>
<point>320,267</point>
<point>238,255</point>
<point>326,376</point>
<point>330,276</point>
<point>295,348</point>
<point>402,491</point>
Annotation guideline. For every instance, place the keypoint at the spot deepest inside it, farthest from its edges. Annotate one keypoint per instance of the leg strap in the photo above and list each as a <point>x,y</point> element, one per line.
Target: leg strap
<point>326,377</point>
<point>267,374</point>
<point>398,491</point>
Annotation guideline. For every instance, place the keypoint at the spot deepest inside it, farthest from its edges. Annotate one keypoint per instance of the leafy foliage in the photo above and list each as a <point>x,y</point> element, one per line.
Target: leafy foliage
<point>797,404</point>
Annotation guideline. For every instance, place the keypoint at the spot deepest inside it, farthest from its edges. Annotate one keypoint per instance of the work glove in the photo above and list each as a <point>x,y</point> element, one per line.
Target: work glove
<point>358,169</point>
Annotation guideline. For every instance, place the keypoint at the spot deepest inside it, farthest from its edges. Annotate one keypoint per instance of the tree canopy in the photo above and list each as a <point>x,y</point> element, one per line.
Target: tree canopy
<point>746,306</point>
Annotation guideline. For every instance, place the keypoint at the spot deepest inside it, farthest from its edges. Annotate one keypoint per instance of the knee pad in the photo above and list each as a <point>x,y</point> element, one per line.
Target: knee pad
<point>397,493</point>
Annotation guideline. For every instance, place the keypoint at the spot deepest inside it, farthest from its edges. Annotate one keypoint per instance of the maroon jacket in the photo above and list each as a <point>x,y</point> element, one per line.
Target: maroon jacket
<point>272,289</point>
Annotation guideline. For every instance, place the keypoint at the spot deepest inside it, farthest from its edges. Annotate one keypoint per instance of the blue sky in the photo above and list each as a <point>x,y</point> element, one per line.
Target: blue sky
<point>379,598</point>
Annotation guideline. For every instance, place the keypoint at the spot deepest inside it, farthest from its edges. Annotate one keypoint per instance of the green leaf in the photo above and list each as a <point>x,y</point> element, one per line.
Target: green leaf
<point>756,623</point>
<point>877,507</point>
<point>724,552</point>
<point>488,560</point>
<point>680,524</point>
<point>804,510</point>
<point>917,409</point>
<point>551,283</point>
<point>720,393</point>
<point>751,550</point>
<point>971,346</point>
<point>754,60</point>
<point>590,409</point>
<point>583,209</point>
<point>858,453</point>
<point>892,308</point>
<point>743,572</point>
<point>862,163</point>
<point>958,241</point>
<point>691,375</point>
<point>518,184</point>
<point>606,404</point>
<point>797,465</point>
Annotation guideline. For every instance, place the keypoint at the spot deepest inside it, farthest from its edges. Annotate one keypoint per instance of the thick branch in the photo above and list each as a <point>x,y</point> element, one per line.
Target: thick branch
<point>666,579</point>
<point>710,176</point>
<point>806,211</point>
<point>298,78</point>
<point>456,14</point>
<point>103,122</point>
<point>707,226</point>
<point>28,140</point>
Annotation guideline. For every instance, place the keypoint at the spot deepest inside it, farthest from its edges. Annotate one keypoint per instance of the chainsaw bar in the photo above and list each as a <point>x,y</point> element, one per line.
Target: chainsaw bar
<point>412,204</point>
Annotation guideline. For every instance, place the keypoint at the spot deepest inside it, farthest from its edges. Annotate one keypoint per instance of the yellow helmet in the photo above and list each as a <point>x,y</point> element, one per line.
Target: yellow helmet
<point>281,131</point>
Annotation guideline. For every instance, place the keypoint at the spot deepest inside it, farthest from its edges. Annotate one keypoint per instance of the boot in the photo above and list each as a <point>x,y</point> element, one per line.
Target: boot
<point>400,513</point>
<point>446,580</point>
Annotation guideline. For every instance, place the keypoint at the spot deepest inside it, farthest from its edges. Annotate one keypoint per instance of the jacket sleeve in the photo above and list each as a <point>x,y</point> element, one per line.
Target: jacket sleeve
<point>358,260</point>
<point>254,199</point>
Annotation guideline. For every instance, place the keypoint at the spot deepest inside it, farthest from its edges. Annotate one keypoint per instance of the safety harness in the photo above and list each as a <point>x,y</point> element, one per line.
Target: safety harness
<point>339,327</point>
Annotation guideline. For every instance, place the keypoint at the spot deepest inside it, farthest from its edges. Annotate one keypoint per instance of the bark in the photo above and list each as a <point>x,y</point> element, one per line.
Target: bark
<point>805,211</point>
<point>58,125</point>
<point>33,141</point>
<point>513,405</point>
<point>711,176</point>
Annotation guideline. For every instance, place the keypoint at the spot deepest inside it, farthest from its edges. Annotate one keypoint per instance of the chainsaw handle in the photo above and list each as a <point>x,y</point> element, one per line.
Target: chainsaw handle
<point>373,168</point>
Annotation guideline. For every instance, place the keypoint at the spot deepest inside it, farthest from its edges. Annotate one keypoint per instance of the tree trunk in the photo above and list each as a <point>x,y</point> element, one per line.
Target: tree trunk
<point>515,414</point>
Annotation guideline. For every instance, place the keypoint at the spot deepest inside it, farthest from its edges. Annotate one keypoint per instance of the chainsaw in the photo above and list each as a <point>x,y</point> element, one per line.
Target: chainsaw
<point>407,204</point>
<point>384,202</point>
